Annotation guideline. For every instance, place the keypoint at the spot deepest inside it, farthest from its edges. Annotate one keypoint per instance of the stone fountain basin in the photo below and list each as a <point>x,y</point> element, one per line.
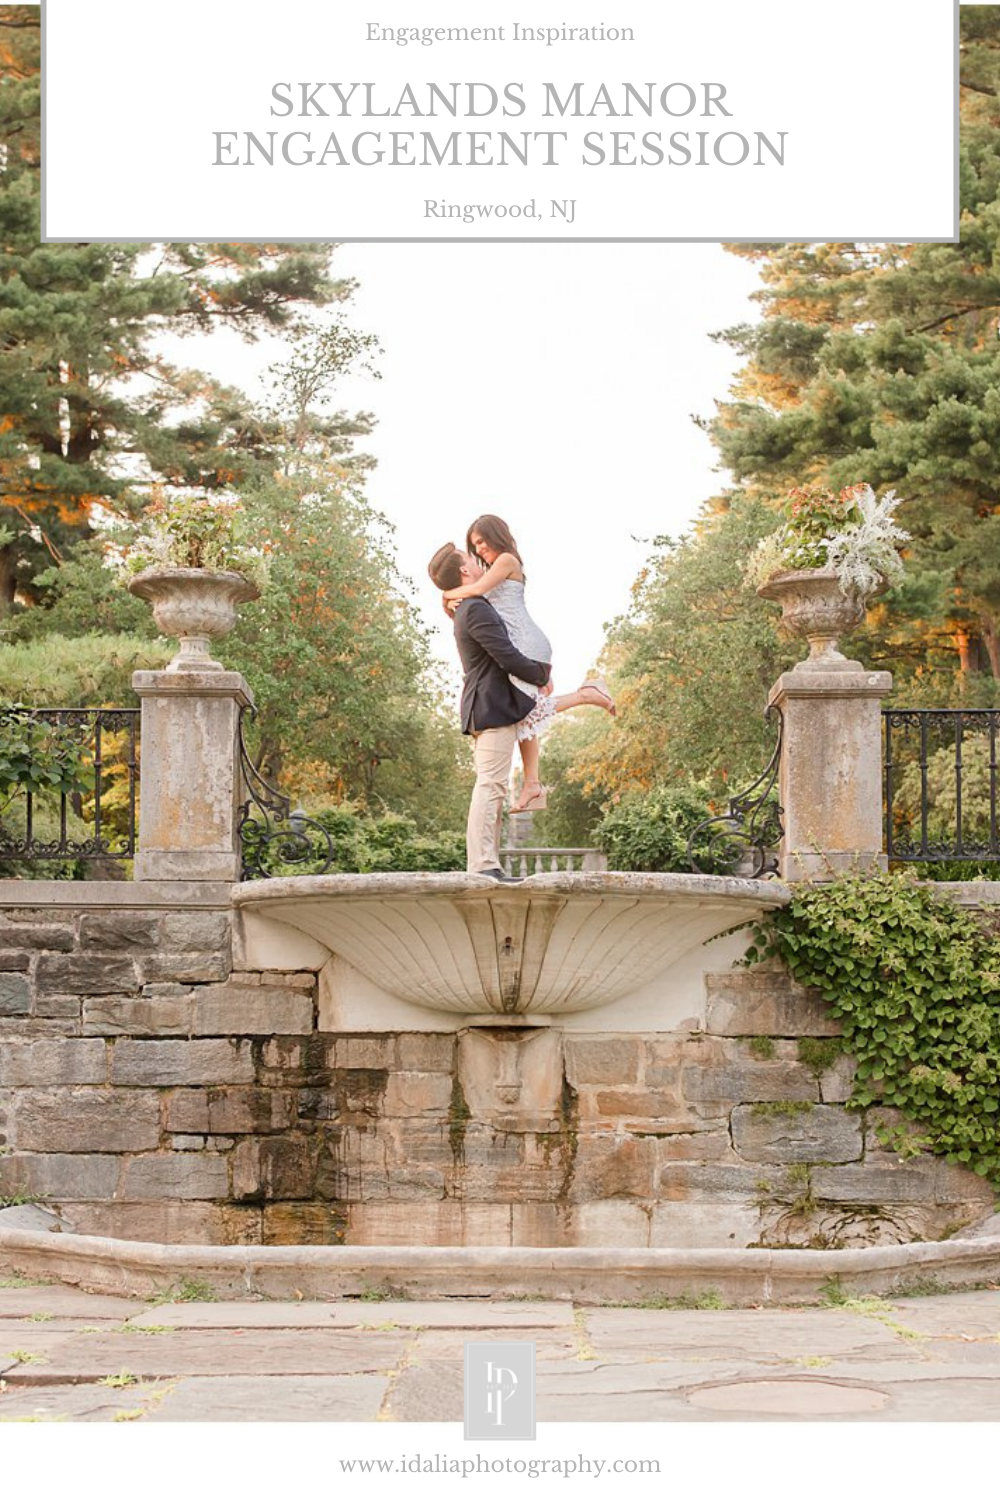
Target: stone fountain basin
<point>552,945</point>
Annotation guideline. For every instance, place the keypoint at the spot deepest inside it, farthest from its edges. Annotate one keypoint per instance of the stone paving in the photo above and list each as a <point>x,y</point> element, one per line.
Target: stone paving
<point>68,1355</point>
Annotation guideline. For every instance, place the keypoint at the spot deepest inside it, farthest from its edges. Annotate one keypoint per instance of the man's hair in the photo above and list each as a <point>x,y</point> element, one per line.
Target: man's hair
<point>445,567</point>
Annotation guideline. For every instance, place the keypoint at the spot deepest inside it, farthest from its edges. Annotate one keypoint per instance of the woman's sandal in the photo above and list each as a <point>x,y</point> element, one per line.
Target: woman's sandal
<point>536,803</point>
<point>600,686</point>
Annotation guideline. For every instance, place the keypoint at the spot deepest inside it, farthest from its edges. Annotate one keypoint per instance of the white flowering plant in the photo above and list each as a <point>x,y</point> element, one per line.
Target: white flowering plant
<point>853,533</point>
<point>196,531</point>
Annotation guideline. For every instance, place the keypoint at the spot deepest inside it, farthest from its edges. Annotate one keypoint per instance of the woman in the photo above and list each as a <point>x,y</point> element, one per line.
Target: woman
<point>489,538</point>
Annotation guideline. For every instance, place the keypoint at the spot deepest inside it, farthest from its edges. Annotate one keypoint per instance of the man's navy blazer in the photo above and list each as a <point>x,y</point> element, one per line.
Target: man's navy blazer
<point>489,698</point>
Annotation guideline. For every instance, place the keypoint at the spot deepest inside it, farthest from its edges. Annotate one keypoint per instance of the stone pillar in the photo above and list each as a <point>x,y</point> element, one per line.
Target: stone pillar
<point>831,768</point>
<point>190,780</point>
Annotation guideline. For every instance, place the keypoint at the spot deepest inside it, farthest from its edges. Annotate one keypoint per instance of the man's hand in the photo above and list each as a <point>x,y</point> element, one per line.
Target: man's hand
<point>450,605</point>
<point>547,689</point>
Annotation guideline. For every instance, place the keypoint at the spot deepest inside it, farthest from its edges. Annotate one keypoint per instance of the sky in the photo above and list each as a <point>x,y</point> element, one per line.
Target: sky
<point>552,385</point>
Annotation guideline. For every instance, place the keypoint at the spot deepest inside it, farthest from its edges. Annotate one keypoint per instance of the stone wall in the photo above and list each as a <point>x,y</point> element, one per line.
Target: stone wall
<point>151,1091</point>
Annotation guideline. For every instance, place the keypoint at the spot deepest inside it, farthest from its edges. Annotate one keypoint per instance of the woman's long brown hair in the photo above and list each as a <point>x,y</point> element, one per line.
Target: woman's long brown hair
<point>495,533</point>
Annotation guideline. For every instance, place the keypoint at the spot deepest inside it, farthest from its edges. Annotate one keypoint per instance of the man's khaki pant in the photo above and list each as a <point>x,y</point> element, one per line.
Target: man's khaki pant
<point>493,751</point>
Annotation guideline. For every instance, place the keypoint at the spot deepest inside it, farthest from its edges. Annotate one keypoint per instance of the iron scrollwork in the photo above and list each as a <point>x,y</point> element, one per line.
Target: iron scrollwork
<point>270,832</point>
<point>744,840</point>
<point>96,750</point>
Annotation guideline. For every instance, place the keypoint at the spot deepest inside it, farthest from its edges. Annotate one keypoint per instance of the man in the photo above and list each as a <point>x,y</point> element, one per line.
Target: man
<point>492,707</point>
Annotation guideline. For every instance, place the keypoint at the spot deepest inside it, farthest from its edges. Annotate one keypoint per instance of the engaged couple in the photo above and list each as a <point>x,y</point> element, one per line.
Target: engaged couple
<point>507,696</point>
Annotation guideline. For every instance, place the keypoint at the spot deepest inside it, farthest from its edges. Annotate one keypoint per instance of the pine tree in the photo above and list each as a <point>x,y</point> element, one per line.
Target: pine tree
<point>89,406</point>
<point>882,363</point>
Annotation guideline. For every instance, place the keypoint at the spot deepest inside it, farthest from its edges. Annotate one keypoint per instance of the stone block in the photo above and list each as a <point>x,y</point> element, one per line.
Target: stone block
<point>415,1140</point>
<point>12,962</point>
<point>60,1178</point>
<point>836,1084</point>
<point>50,936</point>
<point>612,1059</point>
<point>606,1167</point>
<point>196,931</point>
<point>15,995</point>
<point>710,1182</point>
<point>182,1175</point>
<point>429,1223</point>
<point>704,1226</point>
<point>194,968</point>
<point>649,1104</point>
<point>88,1120</point>
<point>251,1010</point>
<point>765,1002</point>
<point>364,1051</point>
<point>85,974</point>
<point>511,1073</point>
<point>541,1224</point>
<point>119,930</point>
<point>954,1184</point>
<point>482,1146</point>
<point>535,1183</point>
<point>61,1007</point>
<point>163,1222</point>
<point>698,1145</point>
<point>187,1143</point>
<point>666,1057</point>
<point>610,1224</point>
<point>33,1027</point>
<point>233,1111</point>
<point>273,1168</point>
<point>410,1094</point>
<point>410,1184</point>
<point>162,1064</point>
<point>823,1133</point>
<point>303,1224</point>
<point>139,1015</point>
<point>426,1051</point>
<point>288,979</point>
<point>873,1184</point>
<point>748,1083</point>
<point>48,1062</point>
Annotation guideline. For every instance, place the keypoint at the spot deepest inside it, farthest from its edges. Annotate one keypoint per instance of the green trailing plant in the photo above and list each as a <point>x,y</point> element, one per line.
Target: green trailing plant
<point>915,984</point>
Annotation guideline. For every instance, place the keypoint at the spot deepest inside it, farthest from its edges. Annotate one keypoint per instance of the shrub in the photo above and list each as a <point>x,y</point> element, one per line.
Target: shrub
<point>650,831</point>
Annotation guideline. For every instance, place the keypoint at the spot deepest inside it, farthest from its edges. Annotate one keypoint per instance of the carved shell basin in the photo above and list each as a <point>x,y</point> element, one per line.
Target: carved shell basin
<point>551,945</point>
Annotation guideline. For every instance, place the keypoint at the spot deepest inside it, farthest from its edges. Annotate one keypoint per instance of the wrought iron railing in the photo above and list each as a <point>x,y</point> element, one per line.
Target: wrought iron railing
<point>272,834</point>
<point>744,840</point>
<point>68,783</point>
<point>940,774</point>
<point>522,860</point>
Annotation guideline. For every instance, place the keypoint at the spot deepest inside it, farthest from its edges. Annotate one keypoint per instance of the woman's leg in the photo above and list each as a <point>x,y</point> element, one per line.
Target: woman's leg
<point>530,756</point>
<point>588,694</point>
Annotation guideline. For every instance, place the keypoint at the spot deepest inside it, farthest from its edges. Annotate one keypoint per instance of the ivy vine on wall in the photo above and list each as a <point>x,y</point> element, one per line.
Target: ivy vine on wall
<point>915,983</point>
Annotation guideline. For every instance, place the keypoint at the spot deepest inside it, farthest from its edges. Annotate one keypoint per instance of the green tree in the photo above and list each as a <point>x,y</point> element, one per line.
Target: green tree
<point>694,659</point>
<point>338,658</point>
<point>89,405</point>
<point>881,363</point>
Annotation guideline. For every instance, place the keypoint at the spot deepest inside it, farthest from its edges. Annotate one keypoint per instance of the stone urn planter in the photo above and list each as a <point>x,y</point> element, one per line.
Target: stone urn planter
<point>814,607</point>
<point>196,605</point>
